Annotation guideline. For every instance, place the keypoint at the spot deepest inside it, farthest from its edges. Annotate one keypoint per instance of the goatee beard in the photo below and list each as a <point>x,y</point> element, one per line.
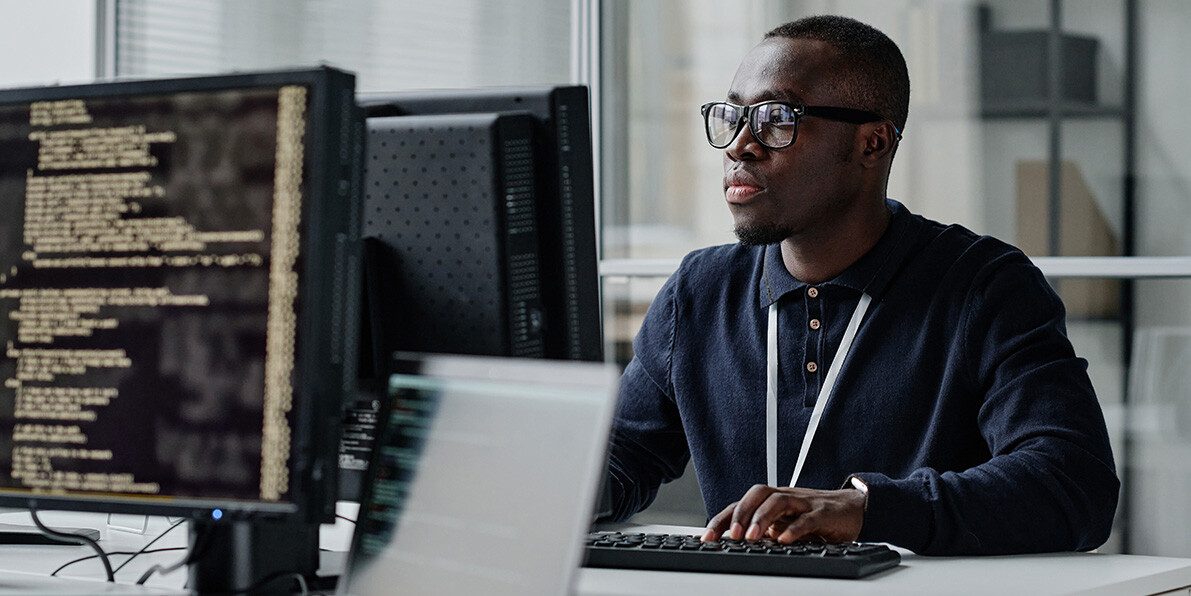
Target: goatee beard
<point>758,236</point>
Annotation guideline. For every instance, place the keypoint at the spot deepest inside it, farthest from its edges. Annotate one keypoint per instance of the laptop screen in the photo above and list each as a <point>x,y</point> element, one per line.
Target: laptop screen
<point>484,477</point>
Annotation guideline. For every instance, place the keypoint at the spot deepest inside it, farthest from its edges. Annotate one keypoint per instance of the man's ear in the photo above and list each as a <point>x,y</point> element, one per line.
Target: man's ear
<point>879,140</point>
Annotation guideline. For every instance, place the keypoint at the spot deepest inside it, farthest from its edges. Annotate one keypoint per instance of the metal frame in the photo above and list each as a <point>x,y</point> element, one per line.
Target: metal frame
<point>105,39</point>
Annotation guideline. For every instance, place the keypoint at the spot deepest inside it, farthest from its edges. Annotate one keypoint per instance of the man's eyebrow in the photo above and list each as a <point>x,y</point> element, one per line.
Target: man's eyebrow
<point>766,95</point>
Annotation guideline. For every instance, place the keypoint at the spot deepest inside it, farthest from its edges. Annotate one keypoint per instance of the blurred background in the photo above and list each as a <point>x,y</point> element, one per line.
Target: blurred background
<point>1054,125</point>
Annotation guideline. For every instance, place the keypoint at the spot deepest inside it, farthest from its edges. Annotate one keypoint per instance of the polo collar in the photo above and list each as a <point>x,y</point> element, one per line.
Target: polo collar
<point>870,274</point>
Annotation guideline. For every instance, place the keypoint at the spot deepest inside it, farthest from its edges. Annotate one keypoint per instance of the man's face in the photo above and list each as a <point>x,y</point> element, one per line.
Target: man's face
<point>806,188</point>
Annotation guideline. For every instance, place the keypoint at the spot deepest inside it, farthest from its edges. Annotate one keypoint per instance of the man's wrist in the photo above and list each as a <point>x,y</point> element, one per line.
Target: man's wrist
<point>859,484</point>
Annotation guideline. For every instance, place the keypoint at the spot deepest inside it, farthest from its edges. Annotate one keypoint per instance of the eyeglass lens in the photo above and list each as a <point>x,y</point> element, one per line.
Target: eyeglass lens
<point>774,124</point>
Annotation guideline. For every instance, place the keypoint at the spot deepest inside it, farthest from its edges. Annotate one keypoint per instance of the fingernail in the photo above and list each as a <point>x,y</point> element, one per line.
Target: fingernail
<point>736,532</point>
<point>754,532</point>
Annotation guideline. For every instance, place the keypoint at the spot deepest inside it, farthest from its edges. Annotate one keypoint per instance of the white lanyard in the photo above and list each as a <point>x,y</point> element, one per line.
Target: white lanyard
<point>824,392</point>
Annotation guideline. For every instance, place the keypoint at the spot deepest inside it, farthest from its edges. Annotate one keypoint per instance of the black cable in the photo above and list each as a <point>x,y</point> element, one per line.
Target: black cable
<point>81,559</point>
<point>116,553</point>
<point>164,570</point>
<point>345,518</point>
<point>200,549</point>
<point>75,538</point>
<point>150,543</point>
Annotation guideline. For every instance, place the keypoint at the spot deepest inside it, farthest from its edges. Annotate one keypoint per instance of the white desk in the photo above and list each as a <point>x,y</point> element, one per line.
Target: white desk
<point>1026,575</point>
<point>1088,574</point>
<point>26,569</point>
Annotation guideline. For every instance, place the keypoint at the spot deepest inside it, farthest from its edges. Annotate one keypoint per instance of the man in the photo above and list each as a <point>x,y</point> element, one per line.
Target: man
<point>914,380</point>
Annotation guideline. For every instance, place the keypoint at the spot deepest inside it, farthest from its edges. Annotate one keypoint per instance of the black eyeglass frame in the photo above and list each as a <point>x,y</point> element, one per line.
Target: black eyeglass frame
<point>850,115</point>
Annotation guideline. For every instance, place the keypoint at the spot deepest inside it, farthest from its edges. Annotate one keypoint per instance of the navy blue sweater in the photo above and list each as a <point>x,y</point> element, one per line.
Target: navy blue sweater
<point>962,404</point>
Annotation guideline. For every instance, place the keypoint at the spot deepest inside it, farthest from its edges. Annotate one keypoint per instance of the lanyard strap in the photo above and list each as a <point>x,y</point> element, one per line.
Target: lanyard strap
<point>824,392</point>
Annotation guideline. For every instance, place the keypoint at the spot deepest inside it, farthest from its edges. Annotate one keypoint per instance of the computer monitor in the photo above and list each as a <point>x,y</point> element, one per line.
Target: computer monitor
<point>564,200</point>
<point>479,235</point>
<point>178,285</point>
<point>485,420</point>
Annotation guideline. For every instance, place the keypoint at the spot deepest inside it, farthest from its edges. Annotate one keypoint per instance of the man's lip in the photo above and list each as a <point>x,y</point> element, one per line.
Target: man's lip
<point>741,193</point>
<point>740,184</point>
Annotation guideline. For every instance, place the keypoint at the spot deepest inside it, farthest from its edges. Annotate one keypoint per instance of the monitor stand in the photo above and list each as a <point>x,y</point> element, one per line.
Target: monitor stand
<point>25,535</point>
<point>230,557</point>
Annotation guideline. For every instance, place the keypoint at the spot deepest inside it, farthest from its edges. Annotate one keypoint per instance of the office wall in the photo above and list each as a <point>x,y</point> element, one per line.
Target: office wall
<point>46,42</point>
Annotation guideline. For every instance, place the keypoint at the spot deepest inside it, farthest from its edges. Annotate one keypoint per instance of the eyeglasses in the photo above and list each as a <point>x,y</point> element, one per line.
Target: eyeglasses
<point>773,123</point>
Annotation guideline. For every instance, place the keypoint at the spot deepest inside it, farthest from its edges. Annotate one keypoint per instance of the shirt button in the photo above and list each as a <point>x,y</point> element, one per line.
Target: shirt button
<point>811,367</point>
<point>812,292</point>
<point>815,324</point>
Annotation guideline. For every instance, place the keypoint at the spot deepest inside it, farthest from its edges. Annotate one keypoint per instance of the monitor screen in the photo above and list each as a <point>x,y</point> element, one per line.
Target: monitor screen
<point>176,281</point>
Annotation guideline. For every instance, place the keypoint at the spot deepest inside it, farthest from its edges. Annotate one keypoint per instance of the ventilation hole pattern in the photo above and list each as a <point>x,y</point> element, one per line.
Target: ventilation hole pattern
<point>428,195</point>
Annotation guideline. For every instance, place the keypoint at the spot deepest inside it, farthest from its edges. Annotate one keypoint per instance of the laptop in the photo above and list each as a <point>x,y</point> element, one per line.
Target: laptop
<point>484,477</point>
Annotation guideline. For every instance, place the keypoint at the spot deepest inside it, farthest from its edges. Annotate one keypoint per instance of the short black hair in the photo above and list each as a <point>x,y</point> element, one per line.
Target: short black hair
<point>874,73</point>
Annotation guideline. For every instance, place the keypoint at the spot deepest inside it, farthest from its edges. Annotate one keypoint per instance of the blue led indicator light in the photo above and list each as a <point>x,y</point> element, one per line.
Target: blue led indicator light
<point>217,514</point>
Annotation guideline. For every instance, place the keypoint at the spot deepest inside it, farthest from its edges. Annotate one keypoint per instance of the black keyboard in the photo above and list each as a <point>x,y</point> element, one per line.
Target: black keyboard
<point>676,552</point>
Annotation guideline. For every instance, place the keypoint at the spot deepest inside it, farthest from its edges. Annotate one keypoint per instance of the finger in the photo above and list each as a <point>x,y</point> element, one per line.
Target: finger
<point>803,527</point>
<point>826,524</point>
<point>779,508</point>
<point>718,524</point>
<point>743,527</point>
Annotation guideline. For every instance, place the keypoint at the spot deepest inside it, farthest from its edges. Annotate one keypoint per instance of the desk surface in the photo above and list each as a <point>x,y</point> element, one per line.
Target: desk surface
<point>1058,573</point>
<point>1089,574</point>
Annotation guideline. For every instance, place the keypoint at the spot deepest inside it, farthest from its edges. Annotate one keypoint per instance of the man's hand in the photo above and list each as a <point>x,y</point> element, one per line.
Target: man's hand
<point>789,514</point>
